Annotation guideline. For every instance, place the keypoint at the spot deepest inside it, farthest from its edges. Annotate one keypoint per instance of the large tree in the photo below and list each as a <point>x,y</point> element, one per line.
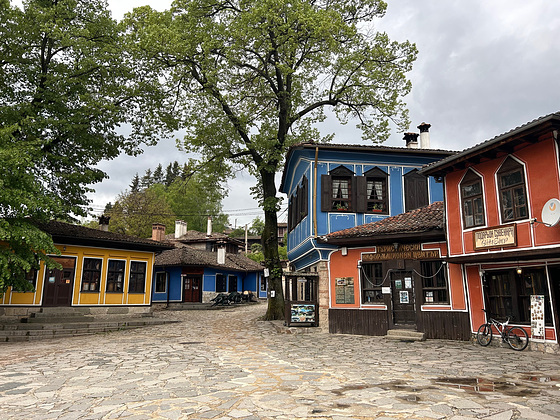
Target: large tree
<point>66,85</point>
<point>253,77</point>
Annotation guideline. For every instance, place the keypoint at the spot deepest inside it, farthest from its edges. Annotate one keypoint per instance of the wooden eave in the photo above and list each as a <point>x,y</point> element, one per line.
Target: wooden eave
<point>502,256</point>
<point>388,238</point>
<point>500,146</point>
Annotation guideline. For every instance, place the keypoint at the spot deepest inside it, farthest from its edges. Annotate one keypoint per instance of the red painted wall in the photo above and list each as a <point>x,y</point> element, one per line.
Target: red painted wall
<point>542,177</point>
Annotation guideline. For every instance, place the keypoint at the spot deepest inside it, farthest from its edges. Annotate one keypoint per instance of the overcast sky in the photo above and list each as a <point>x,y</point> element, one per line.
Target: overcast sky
<point>483,68</point>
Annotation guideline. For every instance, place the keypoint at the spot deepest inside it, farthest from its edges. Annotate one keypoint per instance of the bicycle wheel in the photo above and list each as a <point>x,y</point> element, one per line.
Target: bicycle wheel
<point>517,338</point>
<point>484,334</point>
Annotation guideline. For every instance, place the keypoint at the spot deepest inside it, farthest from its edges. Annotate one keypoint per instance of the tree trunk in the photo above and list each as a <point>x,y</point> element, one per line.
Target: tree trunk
<point>270,249</point>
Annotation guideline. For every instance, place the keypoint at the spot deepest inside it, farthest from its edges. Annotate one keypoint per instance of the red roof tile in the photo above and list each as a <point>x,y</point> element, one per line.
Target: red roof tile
<point>420,220</point>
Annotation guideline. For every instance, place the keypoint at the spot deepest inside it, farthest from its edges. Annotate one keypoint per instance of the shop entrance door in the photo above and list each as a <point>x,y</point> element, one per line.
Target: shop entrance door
<point>191,288</point>
<point>402,288</point>
<point>58,284</point>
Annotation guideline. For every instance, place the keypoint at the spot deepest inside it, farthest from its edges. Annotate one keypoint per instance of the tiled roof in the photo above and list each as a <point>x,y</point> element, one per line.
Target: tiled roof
<point>188,256</point>
<point>81,235</point>
<point>491,143</point>
<point>424,219</point>
<point>193,236</point>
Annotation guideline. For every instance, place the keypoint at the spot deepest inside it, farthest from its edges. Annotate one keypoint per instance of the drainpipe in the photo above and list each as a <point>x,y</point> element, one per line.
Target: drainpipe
<point>315,192</point>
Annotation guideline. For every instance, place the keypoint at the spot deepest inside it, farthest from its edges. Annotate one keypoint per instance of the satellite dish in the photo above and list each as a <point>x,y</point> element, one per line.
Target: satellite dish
<point>550,214</point>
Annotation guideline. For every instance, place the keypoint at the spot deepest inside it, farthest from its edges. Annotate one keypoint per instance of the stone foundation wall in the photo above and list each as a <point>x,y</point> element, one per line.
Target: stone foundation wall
<point>323,295</point>
<point>17,313</point>
<point>543,347</point>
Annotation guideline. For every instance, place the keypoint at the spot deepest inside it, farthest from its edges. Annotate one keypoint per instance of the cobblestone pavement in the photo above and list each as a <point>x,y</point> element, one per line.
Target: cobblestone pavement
<point>229,365</point>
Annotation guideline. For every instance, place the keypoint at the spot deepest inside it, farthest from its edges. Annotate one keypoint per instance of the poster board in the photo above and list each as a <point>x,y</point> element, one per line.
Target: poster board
<point>537,317</point>
<point>344,290</point>
<point>302,312</point>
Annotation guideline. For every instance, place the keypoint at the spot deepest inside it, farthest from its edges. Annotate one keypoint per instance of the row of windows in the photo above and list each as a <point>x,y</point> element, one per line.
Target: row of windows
<point>434,283</point>
<point>221,283</point>
<point>511,194</point>
<point>91,276</point>
<point>341,190</point>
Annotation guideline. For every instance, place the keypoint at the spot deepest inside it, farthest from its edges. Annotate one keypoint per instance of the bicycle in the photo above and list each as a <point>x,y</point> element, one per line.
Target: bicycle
<point>516,337</point>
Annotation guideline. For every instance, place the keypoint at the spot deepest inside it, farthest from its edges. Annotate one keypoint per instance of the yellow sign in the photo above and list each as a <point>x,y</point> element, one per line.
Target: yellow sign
<point>498,237</point>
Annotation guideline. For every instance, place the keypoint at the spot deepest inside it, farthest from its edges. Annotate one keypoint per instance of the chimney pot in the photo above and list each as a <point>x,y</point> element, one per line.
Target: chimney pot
<point>104,223</point>
<point>424,135</point>
<point>180,228</point>
<point>209,227</point>
<point>411,140</point>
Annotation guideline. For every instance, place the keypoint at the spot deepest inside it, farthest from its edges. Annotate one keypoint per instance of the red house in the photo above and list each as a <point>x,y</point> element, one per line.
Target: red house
<point>502,212</point>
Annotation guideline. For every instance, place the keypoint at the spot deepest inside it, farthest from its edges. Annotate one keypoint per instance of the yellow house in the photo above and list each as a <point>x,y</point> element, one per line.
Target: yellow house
<point>100,270</point>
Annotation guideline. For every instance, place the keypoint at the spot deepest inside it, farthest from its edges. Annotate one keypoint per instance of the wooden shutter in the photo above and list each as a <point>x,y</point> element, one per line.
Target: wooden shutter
<point>361,194</point>
<point>326,188</point>
<point>415,190</point>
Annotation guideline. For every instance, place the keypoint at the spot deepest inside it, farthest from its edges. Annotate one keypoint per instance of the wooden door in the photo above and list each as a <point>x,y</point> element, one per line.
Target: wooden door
<point>58,284</point>
<point>403,299</point>
<point>192,285</point>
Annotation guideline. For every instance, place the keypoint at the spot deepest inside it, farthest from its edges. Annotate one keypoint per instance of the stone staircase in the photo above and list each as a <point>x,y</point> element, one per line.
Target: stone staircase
<point>405,335</point>
<point>65,322</point>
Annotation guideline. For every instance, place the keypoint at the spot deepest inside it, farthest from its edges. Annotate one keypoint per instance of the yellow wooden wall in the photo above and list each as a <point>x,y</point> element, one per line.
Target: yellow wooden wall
<point>101,298</point>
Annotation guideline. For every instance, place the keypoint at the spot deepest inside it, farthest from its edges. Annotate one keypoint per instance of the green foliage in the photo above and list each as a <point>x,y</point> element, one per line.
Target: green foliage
<point>283,252</point>
<point>134,213</point>
<point>257,227</point>
<point>252,78</point>
<point>256,248</point>
<point>256,256</point>
<point>66,85</point>
<point>191,197</point>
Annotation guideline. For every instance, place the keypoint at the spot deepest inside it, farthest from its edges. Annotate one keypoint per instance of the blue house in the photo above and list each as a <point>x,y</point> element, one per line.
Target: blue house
<point>331,187</point>
<point>201,266</point>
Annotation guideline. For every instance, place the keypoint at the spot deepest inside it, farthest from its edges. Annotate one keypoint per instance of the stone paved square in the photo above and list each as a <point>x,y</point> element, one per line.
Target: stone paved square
<point>233,365</point>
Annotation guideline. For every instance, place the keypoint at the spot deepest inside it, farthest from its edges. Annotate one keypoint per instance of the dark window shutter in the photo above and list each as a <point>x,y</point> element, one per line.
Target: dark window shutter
<point>361,197</point>
<point>305,192</point>
<point>415,190</point>
<point>326,187</point>
<point>290,211</point>
<point>354,185</point>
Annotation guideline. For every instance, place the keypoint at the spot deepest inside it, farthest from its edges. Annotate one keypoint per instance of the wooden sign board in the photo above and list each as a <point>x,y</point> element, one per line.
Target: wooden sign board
<point>400,252</point>
<point>496,237</point>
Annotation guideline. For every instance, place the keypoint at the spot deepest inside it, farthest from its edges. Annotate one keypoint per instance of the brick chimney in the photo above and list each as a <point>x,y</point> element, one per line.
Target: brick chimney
<point>158,232</point>
<point>104,223</point>
<point>424,135</point>
<point>411,140</point>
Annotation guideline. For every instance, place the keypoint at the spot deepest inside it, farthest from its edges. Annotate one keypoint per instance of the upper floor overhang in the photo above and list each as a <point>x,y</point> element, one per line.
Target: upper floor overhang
<point>501,145</point>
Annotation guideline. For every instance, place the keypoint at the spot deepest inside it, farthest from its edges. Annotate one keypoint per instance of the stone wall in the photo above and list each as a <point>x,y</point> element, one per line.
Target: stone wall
<point>323,295</point>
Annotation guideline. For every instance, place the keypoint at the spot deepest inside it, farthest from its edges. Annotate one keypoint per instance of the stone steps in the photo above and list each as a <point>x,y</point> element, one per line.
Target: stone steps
<point>405,335</point>
<point>12,332</point>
